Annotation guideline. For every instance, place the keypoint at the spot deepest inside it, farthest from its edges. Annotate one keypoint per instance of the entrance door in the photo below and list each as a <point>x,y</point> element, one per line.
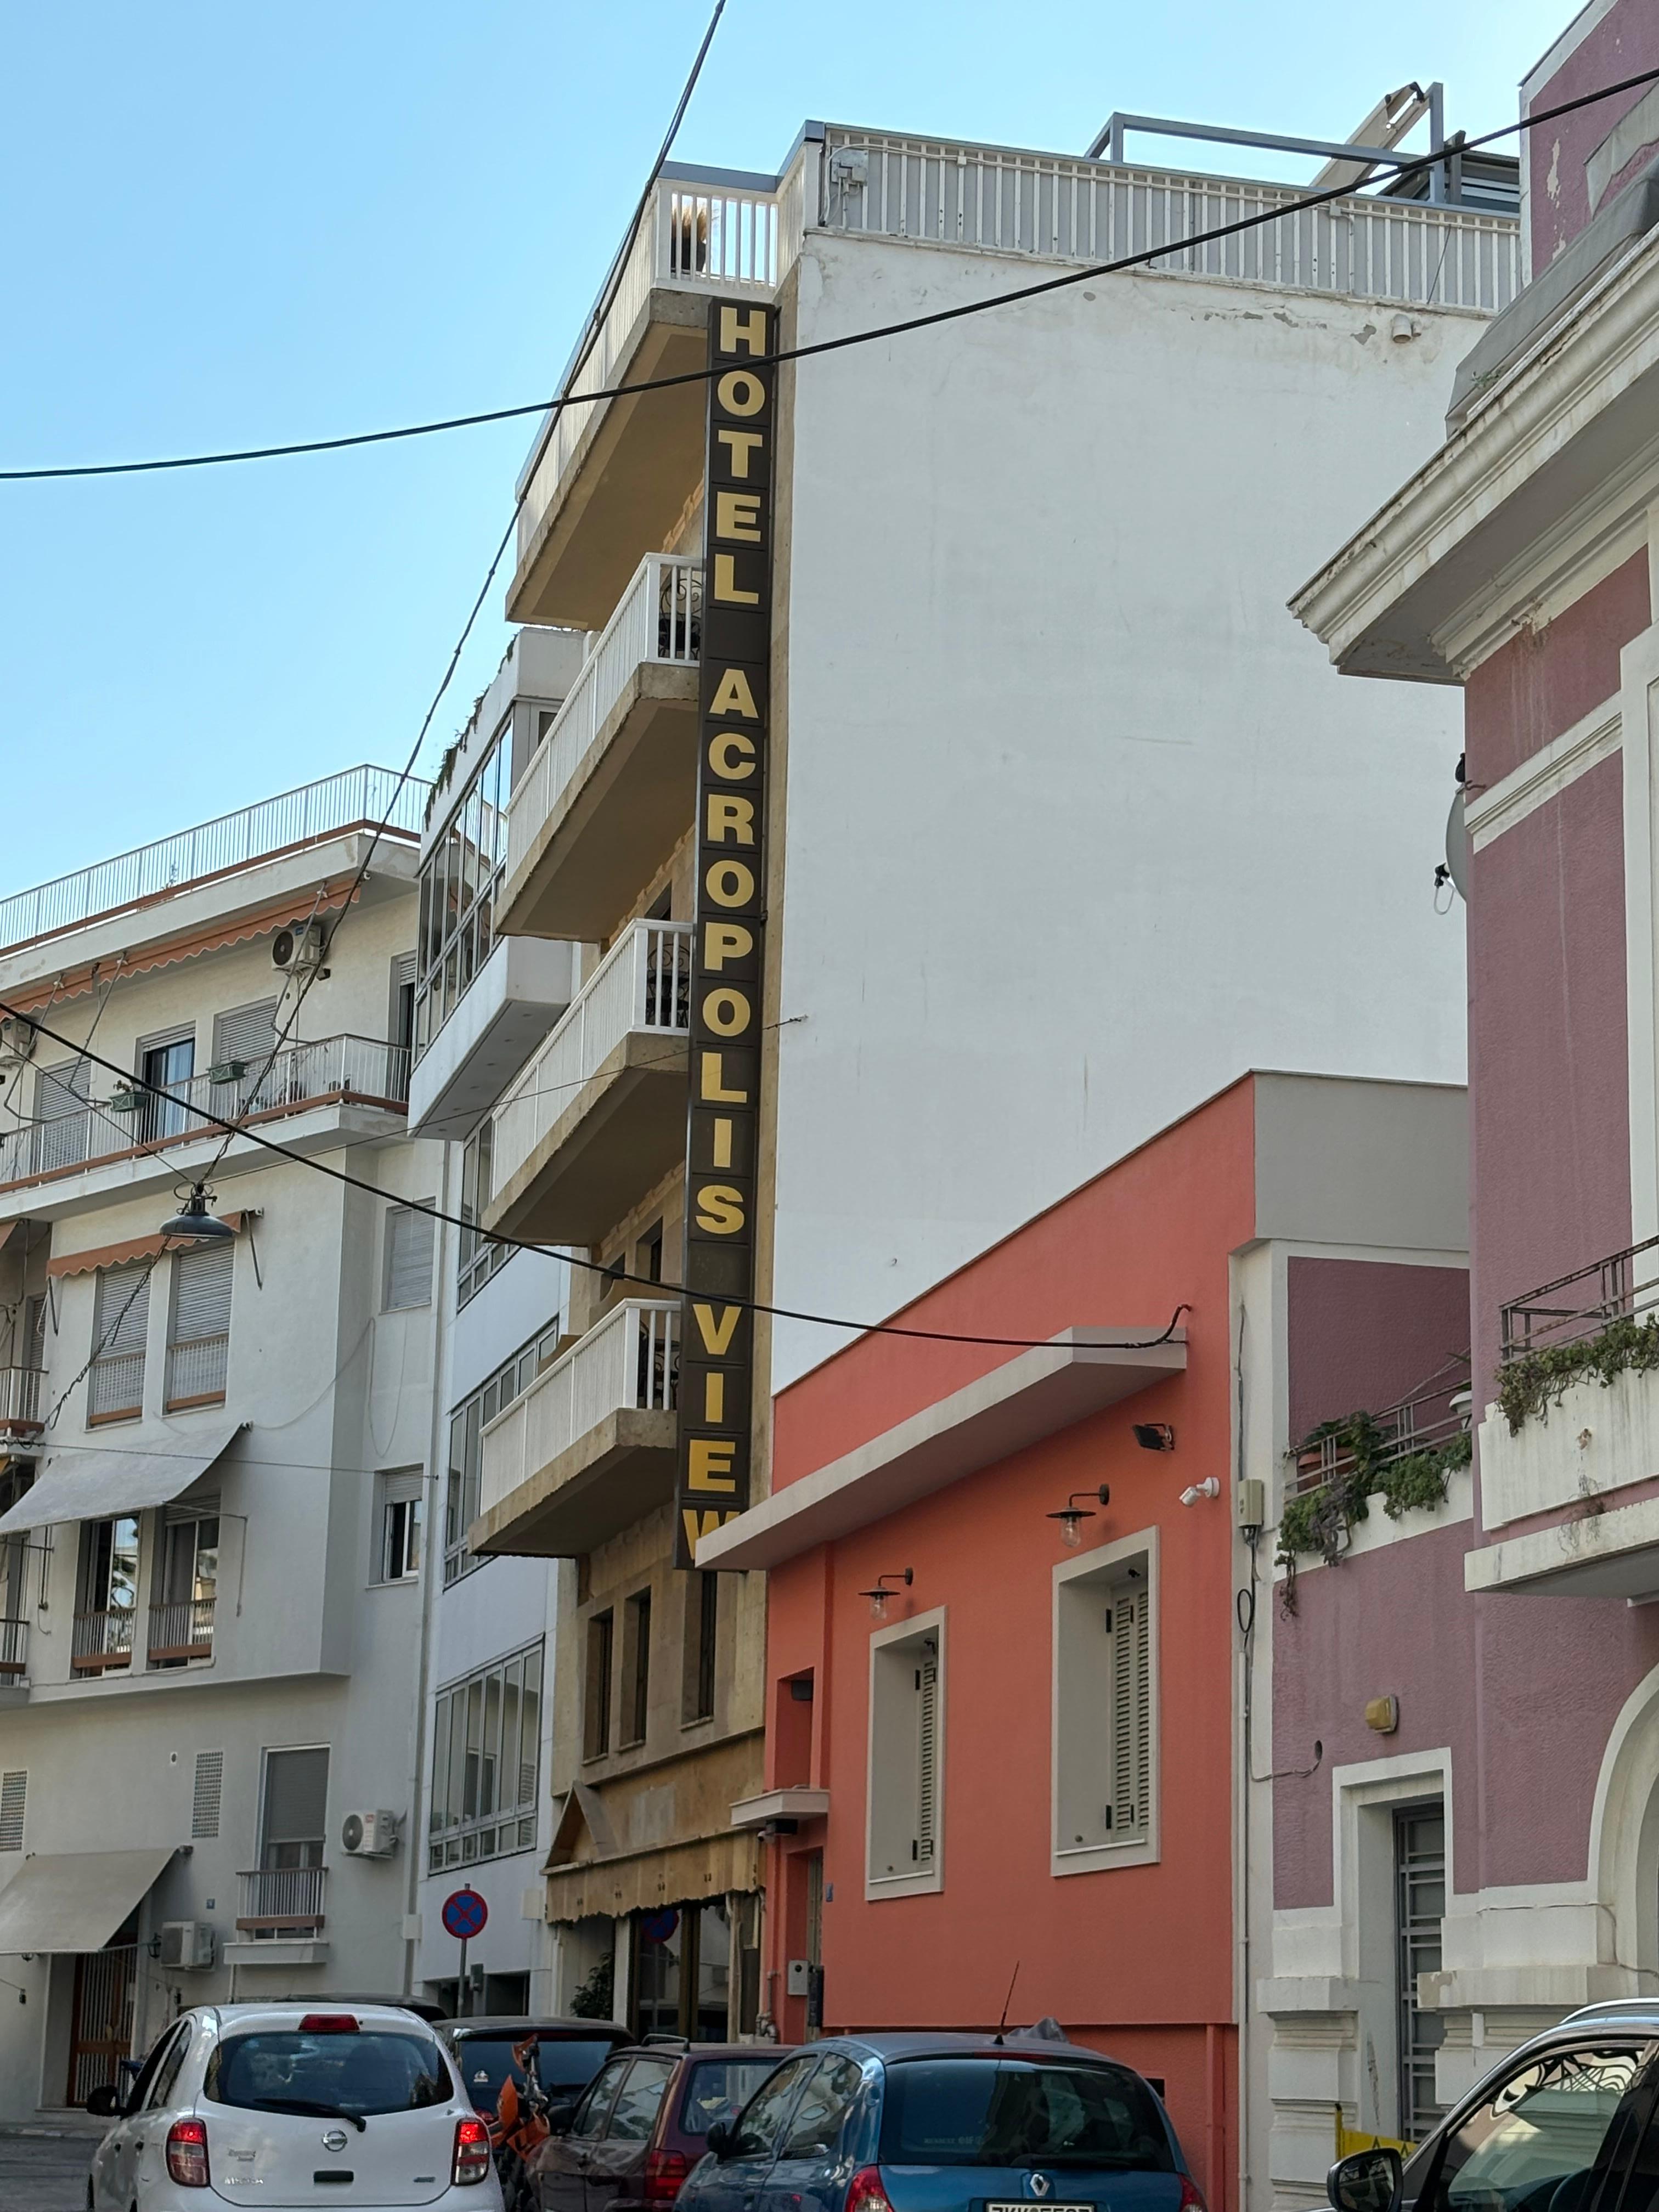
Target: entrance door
<point>100,2021</point>
<point>1420,1861</point>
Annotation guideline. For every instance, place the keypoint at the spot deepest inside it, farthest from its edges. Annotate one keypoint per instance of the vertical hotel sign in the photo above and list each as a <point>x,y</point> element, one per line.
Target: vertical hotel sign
<point>722,1147</point>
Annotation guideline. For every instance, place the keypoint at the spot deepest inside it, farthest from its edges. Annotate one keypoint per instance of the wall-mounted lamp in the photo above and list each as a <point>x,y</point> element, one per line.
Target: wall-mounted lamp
<point>195,1218</point>
<point>1210,1488</point>
<point>880,1596</point>
<point>1071,1515</point>
<point>1154,1435</point>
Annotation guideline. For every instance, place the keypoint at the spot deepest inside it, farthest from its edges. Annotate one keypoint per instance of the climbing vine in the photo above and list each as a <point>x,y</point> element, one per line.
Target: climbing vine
<point>1529,1386</point>
<point>1319,1523</point>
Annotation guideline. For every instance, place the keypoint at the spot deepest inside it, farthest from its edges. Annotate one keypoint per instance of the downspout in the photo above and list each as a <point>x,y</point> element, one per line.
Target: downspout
<point>431,1584</point>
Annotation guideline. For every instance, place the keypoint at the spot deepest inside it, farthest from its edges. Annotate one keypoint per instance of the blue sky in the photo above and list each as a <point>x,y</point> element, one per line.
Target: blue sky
<point>232,226</point>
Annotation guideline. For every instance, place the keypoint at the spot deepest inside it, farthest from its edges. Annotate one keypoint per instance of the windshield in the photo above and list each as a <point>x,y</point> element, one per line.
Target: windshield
<point>288,2070</point>
<point>562,2067</point>
<point>720,2087</point>
<point>1002,2112</point>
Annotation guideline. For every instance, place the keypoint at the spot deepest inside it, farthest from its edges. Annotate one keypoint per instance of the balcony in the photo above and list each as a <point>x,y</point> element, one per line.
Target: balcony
<point>1570,1452</point>
<point>134,1141</point>
<point>22,1391</point>
<point>282,1901</point>
<point>589,1448</point>
<point>101,1642</point>
<point>1433,1423</point>
<point>598,1115</point>
<point>14,1651</point>
<point>521,989</point>
<point>180,1632</point>
<point>607,480</point>
<point>609,792</point>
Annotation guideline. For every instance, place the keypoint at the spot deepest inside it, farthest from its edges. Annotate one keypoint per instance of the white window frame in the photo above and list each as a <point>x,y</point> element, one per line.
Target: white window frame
<point>395,1486</point>
<point>415,1211</point>
<point>913,1630</point>
<point>1105,1561</point>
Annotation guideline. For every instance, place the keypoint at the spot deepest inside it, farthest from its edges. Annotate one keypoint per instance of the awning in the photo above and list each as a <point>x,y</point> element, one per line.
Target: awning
<point>75,1901</point>
<point>84,1482</point>
<point>136,1247</point>
<point>686,1875</point>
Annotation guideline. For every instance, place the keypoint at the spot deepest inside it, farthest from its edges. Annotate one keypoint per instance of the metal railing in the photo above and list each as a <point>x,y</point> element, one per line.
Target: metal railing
<point>14,1647</point>
<point>1423,1424</point>
<point>180,1629</point>
<point>660,619</point>
<point>197,1370</point>
<point>644,982</point>
<point>281,1899</point>
<point>1055,207</point>
<point>693,235</point>
<point>97,1640</point>
<point>300,1075</point>
<point>115,1386</point>
<point>1582,1303</point>
<point>21,1389</point>
<point>629,1362</point>
<point>356,796</point>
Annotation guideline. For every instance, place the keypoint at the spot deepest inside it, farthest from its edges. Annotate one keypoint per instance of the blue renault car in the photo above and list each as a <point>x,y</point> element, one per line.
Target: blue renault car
<point>946,2123</point>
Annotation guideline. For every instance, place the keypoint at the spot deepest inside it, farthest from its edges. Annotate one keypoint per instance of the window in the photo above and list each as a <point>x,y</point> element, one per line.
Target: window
<point>907,1730</point>
<point>1104,1727</point>
<point>460,879</point>
<point>401,1022</point>
<point>120,1328</point>
<point>244,1046</point>
<point>13,1791</point>
<point>477,1258</point>
<point>702,1603</point>
<point>106,1599</point>
<point>165,1065</point>
<point>207,1794</point>
<point>634,2113</point>
<point>292,1824</point>
<point>719,2088</point>
<point>466,1426</point>
<point>408,1258</point>
<point>636,1669</point>
<point>186,1585</point>
<point>366,2070</point>
<point>1548,2120</point>
<point>648,1261</point>
<point>167,2072</point>
<point>596,1706</point>
<point>1005,2111</point>
<point>62,1136</point>
<point>486,1762</point>
<point>400,1509</point>
<point>764,2115</point>
<point>815,2124</point>
<point>198,1330</point>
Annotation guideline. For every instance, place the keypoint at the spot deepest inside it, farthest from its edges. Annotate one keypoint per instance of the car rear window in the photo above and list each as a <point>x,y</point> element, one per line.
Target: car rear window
<point>486,2060</point>
<point>720,2087</point>
<point>292,2070</point>
<point>1001,2112</point>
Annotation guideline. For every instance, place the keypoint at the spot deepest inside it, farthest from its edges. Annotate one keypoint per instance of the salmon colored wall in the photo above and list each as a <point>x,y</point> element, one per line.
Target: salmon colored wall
<point>1138,1959</point>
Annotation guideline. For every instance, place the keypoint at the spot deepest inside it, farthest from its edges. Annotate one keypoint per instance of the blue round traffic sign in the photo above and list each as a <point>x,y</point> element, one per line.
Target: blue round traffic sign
<point>464,1914</point>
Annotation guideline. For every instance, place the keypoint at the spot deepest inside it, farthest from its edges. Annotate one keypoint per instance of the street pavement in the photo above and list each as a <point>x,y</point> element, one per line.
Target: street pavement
<point>44,2173</point>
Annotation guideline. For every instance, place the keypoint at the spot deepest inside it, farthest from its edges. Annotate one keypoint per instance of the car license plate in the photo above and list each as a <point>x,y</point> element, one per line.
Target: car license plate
<point>995,2204</point>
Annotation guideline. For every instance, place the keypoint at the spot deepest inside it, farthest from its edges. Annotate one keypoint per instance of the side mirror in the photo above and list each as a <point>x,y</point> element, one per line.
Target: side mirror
<point>1365,2181</point>
<point>722,2138</point>
<point>560,2110</point>
<point>106,2104</point>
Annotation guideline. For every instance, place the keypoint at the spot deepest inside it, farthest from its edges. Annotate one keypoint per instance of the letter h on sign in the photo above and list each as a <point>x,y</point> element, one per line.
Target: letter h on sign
<point>729,912</point>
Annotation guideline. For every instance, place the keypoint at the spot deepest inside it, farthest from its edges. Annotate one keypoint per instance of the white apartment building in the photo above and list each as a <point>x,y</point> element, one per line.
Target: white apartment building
<point>219,1455</point>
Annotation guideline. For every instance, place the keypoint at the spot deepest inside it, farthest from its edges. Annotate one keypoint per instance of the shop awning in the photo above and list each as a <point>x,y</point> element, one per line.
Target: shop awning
<point>685,1875</point>
<point>75,1901</point>
<point>90,1482</point>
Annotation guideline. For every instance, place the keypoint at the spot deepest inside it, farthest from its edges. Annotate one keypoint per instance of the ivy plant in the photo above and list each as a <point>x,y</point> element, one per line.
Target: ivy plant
<point>1529,1386</point>
<point>1319,1523</point>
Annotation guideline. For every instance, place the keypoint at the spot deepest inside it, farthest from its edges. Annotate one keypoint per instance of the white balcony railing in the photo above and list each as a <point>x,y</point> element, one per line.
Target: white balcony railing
<point>693,235</point>
<point>97,1640</point>
<point>357,797</point>
<point>644,982</point>
<point>300,1076</point>
<point>660,619</point>
<point>21,1389</point>
<point>282,1901</point>
<point>629,1362</point>
<point>13,1649</point>
<point>181,1629</point>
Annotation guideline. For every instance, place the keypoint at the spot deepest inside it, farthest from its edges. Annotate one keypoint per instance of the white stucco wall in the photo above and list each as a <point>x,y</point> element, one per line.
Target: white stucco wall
<point>1079,823</point>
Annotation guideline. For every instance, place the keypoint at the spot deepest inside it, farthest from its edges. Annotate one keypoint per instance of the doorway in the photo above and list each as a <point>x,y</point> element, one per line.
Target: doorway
<point>683,1972</point>
<point>1419,1863</point>
<point>100,2016</point>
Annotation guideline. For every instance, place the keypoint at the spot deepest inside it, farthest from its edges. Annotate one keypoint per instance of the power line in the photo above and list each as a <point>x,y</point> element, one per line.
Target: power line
<point>1454,147</point>
<point>597,1267</point>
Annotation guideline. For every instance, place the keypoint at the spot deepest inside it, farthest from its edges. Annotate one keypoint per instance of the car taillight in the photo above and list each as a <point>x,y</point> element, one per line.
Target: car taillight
<point>187,2154</point>
<point>1191,2197</point>
<point>472,2152</point>
<point>664,2175</point>
<point>865,2192</point>
<point>329,2023</point>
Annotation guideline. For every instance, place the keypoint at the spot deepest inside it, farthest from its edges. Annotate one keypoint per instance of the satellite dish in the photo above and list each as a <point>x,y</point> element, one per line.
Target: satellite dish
<point>1457,847</point>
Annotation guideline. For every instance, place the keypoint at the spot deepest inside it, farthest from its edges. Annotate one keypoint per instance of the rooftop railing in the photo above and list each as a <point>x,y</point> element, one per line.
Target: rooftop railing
<point>357,797</point>
<point>1579,1305</point>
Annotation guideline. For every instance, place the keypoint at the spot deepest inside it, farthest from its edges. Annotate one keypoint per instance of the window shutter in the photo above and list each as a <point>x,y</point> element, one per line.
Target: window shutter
<point>60,1092</point>
<point>14,1788</point>
<point>121,1311</point>
<point>408,1258</point>
<point>927,1759</point>
<point>247,1034</point>
<point>296,1796</point>
<point>210,1788</point>
<point>201,1292</point>
<point>402,1488</point>
<point>404,968</point>
<point>1132,1713</point>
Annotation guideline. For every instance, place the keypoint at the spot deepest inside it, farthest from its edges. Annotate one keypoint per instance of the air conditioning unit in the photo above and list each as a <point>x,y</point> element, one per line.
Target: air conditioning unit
<point>298,951</point>
<point>186,1945</point>
<point>368,1835</point>
<point>18,1038</point>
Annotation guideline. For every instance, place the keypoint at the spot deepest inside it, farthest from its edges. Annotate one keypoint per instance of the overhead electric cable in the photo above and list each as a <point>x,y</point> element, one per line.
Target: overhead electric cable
<point>596,1267</point>
<point>1459,144</point>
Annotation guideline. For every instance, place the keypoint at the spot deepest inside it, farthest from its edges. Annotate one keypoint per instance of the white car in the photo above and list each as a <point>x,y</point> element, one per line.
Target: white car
<point>280,2105</point>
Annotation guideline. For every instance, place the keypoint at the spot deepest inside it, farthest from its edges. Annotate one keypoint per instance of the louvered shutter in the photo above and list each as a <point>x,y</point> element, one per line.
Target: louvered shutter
<point>408,1258</point>
<point>247,1034</point>
<point>1132,1711</point>
<point>200,1296</point>
<point>120,1326</point>
<point>60,1092</point>
<point>207,1795</point>
<point>927,1759</point>
<point>13,1790</point>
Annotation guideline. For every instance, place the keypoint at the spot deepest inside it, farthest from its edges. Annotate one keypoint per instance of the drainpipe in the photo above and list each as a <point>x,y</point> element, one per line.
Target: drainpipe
<point>432,1583</point>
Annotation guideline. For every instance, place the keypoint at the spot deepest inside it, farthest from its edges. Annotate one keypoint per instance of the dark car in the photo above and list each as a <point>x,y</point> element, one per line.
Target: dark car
<point>943,2123</point>
<point>569,2052</point>
<point>645,2124</point>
